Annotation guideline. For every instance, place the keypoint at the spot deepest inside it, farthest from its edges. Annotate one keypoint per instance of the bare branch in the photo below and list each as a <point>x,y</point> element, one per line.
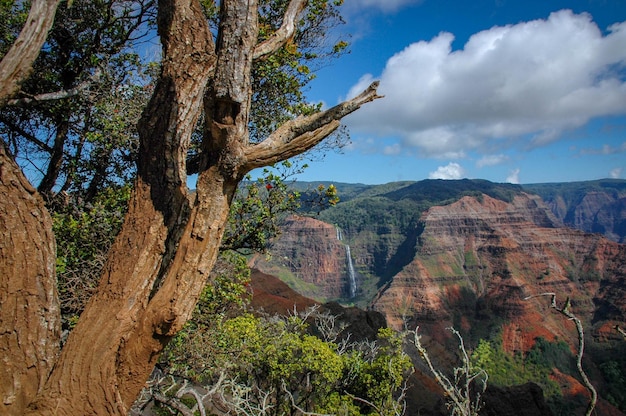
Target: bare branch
<point>28,136</point>
<point>459,392</point>
<point>56,95</point>
<point>173,403</point>
<point>17,63</point>
<point>185,389</point>
<point>284,33</point>
<point>581,345</point>
<point>620,330</point>
<point>367,402</point>
<point>302,133</point>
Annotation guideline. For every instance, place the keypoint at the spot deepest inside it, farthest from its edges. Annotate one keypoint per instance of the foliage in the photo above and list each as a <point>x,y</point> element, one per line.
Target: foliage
<point>399,205</point>
<point>90,40</point>
<point>280,80</point>
<point>442,192</point>
<point>377,374</point>
<point>571,193</point>
<point>259,206</point>
<point>72,127</point>
<point>614,373</point>
<point>84,233</point>
<point>556,354</point>
<point>12,17</point>
<point>276,366</point>
<point>187,354</point>
<point>505,369</point>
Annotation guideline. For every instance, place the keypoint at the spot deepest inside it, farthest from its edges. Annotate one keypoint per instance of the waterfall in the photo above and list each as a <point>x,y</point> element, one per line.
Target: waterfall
<point>351,274</point>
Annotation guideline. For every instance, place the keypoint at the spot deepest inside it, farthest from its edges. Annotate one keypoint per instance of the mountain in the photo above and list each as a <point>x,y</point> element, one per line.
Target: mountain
<point>477,256</point>
<point>593,206</point>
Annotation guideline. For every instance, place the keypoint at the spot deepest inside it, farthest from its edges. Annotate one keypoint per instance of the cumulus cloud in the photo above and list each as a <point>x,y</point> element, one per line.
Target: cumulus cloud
<point>616,173</point>
<point>386,6</point>
<point>450,171</point>
<point>513,177</point>
<point>518,85</point>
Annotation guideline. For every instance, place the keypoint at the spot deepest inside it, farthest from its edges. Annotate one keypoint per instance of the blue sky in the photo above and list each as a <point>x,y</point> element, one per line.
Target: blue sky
<point>509,91</point>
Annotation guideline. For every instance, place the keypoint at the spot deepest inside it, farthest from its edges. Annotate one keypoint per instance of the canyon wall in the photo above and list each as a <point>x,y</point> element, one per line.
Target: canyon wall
<point>310,257</point>
<point>481,258</point>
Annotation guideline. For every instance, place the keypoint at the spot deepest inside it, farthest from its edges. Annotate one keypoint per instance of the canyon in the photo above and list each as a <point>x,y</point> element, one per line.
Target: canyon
<point>482,258</point>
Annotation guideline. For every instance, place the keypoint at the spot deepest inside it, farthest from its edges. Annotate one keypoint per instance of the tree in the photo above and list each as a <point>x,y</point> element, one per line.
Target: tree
<point>465,389</point>
<point>17,63</point>
<point>28,284</point>
<point>169,242</point>
<point>274,365</point>
<point>73,120</point>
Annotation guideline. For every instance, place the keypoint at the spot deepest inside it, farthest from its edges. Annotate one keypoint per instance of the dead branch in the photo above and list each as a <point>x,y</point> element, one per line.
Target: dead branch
<point>172,402</point>
<point>457,391</point>
<point>621,331</point>
<point>56,95</point>
<point>302,133</point>
<point>295,406</point>
<point>564,310</point>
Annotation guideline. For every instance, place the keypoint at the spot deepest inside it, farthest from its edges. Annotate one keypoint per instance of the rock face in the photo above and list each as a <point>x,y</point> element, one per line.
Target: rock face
<point>270,295</point>
<point>310,257</point>
<point>593,207</point>
<point>598,212</point>
<point>480,257</point>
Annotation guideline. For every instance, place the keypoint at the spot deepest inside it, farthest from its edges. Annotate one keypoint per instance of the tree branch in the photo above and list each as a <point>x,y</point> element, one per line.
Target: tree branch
<point>302,133</point>
<point>621,331</point>
<point>17,63</point>
<point>581,346</point>
<point>174,403</point>
<point>459,393</point>
<point>56,95</point>
<point>284,33</point>
<point>28,136</point>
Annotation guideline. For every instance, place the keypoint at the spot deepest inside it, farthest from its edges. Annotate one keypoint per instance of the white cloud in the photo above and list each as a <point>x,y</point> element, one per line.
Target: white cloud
<point>616,173</point>
<point>492,160</point>
<point>386,6</point>
<point>517,85</point>
<point>513,176</point>
<point>450,171</point>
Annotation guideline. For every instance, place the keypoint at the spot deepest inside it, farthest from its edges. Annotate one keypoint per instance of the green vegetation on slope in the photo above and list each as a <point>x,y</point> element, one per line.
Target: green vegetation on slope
<point>276,364</point>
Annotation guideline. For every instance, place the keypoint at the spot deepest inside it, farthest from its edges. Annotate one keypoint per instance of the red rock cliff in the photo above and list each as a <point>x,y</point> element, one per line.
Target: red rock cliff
<point>480,258</point>
<point>309,257</point>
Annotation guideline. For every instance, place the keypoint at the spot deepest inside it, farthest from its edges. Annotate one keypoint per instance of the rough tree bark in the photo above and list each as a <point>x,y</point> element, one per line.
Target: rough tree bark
<point>29,305</point>
<point>169,242</point>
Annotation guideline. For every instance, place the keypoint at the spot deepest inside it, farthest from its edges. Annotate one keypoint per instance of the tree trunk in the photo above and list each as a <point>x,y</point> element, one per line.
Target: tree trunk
<point>29,306</point>
<point>162,258</point>
<point>111,352</point>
